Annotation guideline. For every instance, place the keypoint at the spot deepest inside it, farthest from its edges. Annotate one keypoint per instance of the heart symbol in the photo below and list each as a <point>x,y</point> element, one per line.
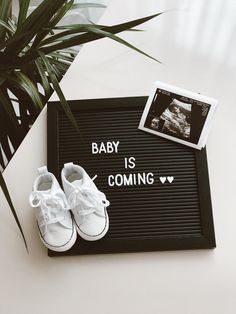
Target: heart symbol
<point>170,179</point>
<point>163,179</point>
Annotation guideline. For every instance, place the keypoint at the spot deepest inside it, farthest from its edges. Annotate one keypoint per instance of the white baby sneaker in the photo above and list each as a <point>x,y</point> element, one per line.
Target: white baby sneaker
<point>87,203</point>
<point>56,227</point>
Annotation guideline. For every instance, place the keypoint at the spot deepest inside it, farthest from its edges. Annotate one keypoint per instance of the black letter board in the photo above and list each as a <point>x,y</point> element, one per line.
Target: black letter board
<point>169,209</point>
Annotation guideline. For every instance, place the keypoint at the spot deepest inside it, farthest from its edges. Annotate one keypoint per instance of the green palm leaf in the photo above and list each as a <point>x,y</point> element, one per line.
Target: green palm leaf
<point>5,25</point>
<point>91,36</point>
<point>58,90</point>
<point>7,106</point>
<point>24,6</point>
<point>5,10</point>
<point>55,19</point>
<point>44,78</point>
<point>33,24</point>
<point>23,82</point>
<point>121,41</point>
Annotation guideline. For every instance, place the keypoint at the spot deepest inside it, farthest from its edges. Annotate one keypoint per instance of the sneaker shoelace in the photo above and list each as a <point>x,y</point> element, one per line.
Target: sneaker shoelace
<point>85,201</point>
<point>53,207</point>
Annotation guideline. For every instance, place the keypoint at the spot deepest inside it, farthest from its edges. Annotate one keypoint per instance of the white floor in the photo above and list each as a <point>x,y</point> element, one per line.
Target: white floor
<point>195,40</point>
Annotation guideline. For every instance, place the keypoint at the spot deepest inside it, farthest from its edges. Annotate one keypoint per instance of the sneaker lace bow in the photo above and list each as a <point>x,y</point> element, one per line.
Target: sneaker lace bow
<point>86,201</point>
<point>53,207</point>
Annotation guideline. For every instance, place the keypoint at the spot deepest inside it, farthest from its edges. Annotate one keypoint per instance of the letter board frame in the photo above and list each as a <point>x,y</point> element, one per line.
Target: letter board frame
<point>163,217</point>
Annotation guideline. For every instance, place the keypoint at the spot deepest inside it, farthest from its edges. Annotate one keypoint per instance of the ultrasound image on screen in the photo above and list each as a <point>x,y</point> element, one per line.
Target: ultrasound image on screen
<point>177,116</point>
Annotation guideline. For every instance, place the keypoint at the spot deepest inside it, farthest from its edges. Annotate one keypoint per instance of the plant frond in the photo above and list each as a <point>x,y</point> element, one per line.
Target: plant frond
<point>58,90</point>
<point>33,24</point>
<point>24,6</point>
<point>5,13</point>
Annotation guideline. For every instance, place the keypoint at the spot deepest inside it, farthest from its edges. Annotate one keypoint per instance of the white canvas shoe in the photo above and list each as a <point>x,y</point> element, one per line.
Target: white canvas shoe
<point>55,224</point>
<point>87,203</point>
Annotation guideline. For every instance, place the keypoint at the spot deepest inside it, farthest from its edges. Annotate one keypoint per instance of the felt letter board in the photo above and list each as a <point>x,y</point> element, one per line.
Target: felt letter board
<point>158,189</point>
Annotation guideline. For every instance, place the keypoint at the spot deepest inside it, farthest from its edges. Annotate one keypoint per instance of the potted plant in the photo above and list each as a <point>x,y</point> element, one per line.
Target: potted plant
<point>35,53</point>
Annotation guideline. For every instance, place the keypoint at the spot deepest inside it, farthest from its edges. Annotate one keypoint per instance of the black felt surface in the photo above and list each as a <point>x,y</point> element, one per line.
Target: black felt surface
<point>143,217</point>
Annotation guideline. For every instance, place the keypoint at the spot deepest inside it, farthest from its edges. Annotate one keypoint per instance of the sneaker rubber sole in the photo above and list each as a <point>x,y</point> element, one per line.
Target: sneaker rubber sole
<point>99,236</point>
<point>61,248</point>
